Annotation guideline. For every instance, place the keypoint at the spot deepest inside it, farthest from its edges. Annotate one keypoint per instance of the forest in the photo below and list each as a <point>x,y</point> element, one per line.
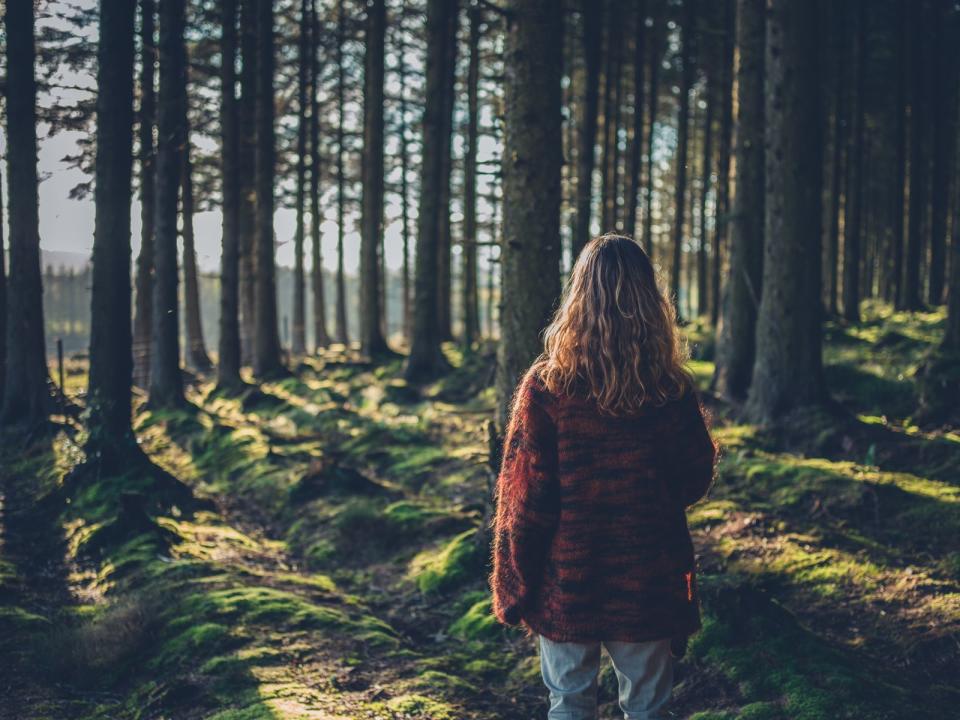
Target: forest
<point>249,434</point>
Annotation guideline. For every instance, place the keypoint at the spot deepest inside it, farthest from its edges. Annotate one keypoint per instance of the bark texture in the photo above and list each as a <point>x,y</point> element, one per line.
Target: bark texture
<point>530,256</point>
<point>788,370</point>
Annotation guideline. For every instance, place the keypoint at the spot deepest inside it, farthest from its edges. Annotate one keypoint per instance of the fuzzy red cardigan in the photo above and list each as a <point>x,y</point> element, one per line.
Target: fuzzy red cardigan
<point>590,534</point>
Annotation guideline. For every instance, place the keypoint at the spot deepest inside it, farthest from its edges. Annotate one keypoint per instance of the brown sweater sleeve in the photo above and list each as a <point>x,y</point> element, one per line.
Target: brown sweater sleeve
<point>528,504</point>
<point>689,453</point>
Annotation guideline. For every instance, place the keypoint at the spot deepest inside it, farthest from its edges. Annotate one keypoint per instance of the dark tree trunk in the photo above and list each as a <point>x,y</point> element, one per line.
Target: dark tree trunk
<point>3,303</point>
<point>839,155</point>
<point>372,342</point>
<point>266,360</point>
<point>471,309</point>
<point>910,288</point>
<point>687,32</point>
<point>611,116</point>
<point>426,358</point>
<point>788,370</point>
<point>196,347</point>
<point>25,398</point>
<point>143,315</point>
<point>900,159</point>
<point>636,145</point>
<point>943,72</point>
<point>111,362</point>
<point>723,169</point>
<point>702,298</point>
<point>951,337</point>
<point>736,331</point>
<point>340,324</point>
<point>228,369</point>
<point>530,256</point>
<point>321,337</point>
<point>166,382</point>
<point>591,13</point>
<point>653,104</point>
<point>445,245</point>
<point>405,197</point>
<point>299,339</point>
<point>247,214</point>
<point>853,223</point>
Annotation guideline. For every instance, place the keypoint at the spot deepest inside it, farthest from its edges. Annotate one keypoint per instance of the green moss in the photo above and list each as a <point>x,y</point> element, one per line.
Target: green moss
<point>420,706</point>
<point>477,623</point>
<point>195,641</point>
<point>448,566</point>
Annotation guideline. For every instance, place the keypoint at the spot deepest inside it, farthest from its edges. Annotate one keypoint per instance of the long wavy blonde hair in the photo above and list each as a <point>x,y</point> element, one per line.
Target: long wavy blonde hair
<point>614,336</point>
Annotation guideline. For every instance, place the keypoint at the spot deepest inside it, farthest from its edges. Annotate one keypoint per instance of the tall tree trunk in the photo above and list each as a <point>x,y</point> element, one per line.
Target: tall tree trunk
<point>445,246</point>
<point>299,339</point>
<point>687,32</point>
<point>247,114</point>
<point>611,114</point>
<point>736,331</point>
<point>943,71</point>
<point>372,342</point>
<point>25,398</point>
<point>788,370</point>
<point>228,367</point>
<point>166,382</point>
<point>723,169</point>
<point>266,360</point>
<point>531,188</point>
<point>591,13</point>
<point>653,104</point>
<point>839,155</point>
<point>900,158</point>
<point>321,337</point>
<point>111,362</point>
<point>405,195</point>
<point>853,223</point>
<point>910,288</point>
<point>340,323</point>
<point>471,309</point>
<point>3,302</point>
<point>196,347</point>
<point>143,315</point>
<point>426,359</point>
<point>636,145</point>
<point>702,298</point>
<point>951,337</point>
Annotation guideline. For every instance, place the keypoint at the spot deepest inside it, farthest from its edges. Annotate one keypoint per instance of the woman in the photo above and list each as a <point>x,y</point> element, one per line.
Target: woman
<point>605,448</point>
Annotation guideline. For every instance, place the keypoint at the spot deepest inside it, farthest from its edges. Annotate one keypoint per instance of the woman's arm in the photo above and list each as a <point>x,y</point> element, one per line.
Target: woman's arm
<point>691,453</point>
<point>528,505</point>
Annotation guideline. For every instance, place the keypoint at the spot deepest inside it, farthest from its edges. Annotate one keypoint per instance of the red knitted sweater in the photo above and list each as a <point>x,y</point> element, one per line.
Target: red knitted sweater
<point>590,534</point>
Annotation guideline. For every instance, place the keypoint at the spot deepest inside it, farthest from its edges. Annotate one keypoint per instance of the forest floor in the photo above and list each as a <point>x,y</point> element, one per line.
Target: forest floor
<point>328,564</point>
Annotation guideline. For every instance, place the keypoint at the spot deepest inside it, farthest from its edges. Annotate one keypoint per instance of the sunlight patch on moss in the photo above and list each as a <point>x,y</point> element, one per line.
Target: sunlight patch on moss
<point>444,567</point>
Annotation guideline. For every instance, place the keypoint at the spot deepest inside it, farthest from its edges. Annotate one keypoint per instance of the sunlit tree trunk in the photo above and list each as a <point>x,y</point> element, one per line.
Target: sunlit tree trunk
<point>196,347</point>
<point>736,331</point>
<point>788,370</point>
<point>166,382</point>
<point>111,362</point>
<point>247,214</point>
<point>636,145</point>
<point>530,254</point>
<point>611,117</point>
<point>591,14</point>
<point>372,342</point>
<point>143,316</point>
<point>3,303</point>
<point>471,308</point>
<point>340,309</point>
<point>299,337</point>
<point>321,337</point>
<point>266,360</point>
<point>702,298</point>
<point>723,169</point>
<point>445,244</point>
<point>683,135</point>
<point>405,197</point>
<point>653,103</point>
<point>228,367</point>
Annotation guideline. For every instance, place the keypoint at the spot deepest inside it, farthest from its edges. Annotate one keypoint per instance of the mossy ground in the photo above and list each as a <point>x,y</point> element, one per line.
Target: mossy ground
<point>332,568</point>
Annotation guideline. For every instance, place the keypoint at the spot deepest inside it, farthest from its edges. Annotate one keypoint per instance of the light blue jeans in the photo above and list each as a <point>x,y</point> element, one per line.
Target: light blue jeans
<point>644,674</point>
